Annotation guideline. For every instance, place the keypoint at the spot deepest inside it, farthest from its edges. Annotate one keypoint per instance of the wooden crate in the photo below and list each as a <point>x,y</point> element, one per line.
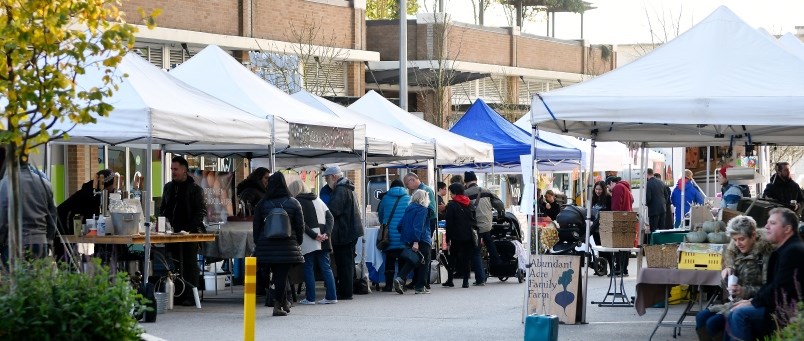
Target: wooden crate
<point>618,216</point>
<point>617,239</point>
<point>618,226</point>
<point>662,256</point>
<point>727,214</point>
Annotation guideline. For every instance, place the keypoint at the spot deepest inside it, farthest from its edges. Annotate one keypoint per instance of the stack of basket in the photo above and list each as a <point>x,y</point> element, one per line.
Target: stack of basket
<point>618,229</point>
<point>662,256</point>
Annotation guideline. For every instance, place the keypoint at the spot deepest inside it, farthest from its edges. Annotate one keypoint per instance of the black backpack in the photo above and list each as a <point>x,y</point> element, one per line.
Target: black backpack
<point>277,223</point>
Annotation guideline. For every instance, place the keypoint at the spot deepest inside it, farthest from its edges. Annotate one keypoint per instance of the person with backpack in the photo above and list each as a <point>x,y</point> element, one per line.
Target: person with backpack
<point>731,194</point>
<point>278,228</point>
<point>462,235</point>
<point>482,201</point>
<point>391,209</point>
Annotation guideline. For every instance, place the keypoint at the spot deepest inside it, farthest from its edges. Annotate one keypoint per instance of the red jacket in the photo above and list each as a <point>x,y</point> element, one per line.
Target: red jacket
<point>621,198</point>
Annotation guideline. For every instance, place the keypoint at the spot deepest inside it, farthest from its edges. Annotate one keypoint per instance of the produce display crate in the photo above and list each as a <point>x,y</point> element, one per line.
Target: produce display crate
<point>701,256</point>
<point>608,216</point>
<point>662,256</point>
<point>617,239</point>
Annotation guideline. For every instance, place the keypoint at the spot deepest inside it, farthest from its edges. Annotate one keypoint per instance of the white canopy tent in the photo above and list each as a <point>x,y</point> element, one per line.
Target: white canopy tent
<point>720,82</point>
<point>152,107</point>
<point>451,148</point>
<point>385,143</point>
<point>299,132</point>
<point>793,44</point>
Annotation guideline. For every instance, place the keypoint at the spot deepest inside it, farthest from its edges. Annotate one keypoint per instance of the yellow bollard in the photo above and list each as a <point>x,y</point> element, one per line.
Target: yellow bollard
<point>249,298</point>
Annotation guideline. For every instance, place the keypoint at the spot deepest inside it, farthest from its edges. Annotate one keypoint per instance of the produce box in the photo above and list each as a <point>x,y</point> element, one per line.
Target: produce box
<point>701,256</point>
<point>662,256</point>
<point>610,216</point>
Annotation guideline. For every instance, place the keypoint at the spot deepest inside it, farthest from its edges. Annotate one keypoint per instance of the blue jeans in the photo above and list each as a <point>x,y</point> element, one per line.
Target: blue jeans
<point>713,322</point>
<point>746,323</point>
<point>322,258</point>
<point>477,264</point>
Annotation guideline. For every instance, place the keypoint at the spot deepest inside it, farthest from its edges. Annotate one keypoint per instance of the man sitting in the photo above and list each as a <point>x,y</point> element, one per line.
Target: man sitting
<point>753,318</point>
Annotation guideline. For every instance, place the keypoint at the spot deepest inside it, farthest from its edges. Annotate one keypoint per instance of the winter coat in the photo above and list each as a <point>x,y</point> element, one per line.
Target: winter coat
<point>250,192</point>
<point>487,202</point>
<point>344,208</point>
<point>414,226</point>
<point>783,191</point>
<point>731,196</point>
<point>785,274</point>
<point>750,268</point>
<point>184,207</point>
<point>621,197</point>
<point>691,196</point>
<point>433,207</point>
<point>316,214</point>
<point>551,212</point>
<point>324,194</point>
<point>279,251</point>
<point>654,197</point>
<point>39,214</point>
<point>83,202</point>
<point>384,213</point>
<point>458,220</point>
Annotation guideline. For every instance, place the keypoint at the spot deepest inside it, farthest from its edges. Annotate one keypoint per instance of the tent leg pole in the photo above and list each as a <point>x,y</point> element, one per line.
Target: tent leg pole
<point>589,193</point>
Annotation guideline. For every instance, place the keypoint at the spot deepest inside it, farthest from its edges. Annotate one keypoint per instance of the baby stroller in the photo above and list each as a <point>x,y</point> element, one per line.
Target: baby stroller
<point>571,230</point>
<point>507,237</point>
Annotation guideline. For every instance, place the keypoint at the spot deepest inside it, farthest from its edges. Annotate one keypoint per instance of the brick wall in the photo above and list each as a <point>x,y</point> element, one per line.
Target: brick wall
<point>210,16</point>
<point>82,164</point>
<point>383,36</point>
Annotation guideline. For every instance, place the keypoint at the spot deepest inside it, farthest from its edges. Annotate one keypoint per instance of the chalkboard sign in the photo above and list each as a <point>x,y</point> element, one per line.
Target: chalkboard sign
<point>553,286</point>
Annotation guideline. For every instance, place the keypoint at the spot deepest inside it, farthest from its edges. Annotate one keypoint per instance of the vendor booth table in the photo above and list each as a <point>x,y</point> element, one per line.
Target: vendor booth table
<point>233,240</point>
<point>619,298</point>
<point>653,286</point>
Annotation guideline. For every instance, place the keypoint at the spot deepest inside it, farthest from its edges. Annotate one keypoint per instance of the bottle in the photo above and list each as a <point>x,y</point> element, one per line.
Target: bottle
<point>170,290</point>
<point>101,226</point>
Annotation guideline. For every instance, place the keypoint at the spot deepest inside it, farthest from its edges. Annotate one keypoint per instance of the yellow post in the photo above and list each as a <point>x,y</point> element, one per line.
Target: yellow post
<point>249,299</point>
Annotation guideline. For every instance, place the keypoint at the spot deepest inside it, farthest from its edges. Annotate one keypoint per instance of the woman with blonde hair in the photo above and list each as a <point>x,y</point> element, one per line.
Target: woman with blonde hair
<point>316,247</point>
<point>416,236</point>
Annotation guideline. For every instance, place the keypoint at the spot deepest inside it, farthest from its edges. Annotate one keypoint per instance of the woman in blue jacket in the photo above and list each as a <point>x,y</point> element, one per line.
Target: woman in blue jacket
<point>692,196</point>
<point>392,208</point>
<point>415,231</point>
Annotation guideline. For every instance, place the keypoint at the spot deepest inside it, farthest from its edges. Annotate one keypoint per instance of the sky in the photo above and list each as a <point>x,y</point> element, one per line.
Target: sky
<point>626,21</point>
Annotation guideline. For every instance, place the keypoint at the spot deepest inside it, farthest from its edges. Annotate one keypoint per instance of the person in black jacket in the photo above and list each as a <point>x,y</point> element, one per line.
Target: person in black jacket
<point>656,202</point>
<point>348,228</point>
<point>184,207</point>
<point>548,205</point>
<point>668,208</point>
<point>277,255</point>
<point>252,189</point>
<point>753,318</point>
<point>83,202</point>
<point>783,189</point>
<point>459,229</point>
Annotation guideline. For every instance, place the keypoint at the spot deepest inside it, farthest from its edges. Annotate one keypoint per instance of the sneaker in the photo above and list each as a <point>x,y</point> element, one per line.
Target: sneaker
<point>479,284</point>
<point>306,302</point>
<point>448,284</point>
<point>326,301</point>
<point>398,285</point>
<point>422,291</point>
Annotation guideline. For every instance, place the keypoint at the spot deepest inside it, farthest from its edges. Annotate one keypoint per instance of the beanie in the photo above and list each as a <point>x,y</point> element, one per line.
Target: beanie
<point>723,170</point>
<point>469,176</point>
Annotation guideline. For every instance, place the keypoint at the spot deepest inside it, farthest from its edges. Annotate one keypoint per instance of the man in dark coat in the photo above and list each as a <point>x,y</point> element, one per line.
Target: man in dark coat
<point>753,318</point>
<point>783,189</point>
<point>655,200</point>
<point>83,202</point>
<point>348,228</point>
<point>668,208</point>
<point>184,207</point>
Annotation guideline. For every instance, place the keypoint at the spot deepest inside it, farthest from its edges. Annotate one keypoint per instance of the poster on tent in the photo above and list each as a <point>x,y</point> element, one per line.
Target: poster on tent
<point>218,189</point>
<point>554,284</point>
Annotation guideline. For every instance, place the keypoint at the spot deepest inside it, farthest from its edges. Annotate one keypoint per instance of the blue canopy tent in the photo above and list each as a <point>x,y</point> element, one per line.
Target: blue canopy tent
<point>484,124</point>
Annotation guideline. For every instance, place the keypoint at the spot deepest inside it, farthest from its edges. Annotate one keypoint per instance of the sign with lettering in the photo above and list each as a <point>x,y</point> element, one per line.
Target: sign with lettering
<point>320,137</point>
<point>554,283</point>
<point>218,189</point>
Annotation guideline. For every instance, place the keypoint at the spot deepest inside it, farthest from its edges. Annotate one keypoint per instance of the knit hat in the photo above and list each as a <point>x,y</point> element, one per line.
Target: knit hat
<point>469,176</point>
<point>611,179</point>
<point>334,170</point>
<point>723,170</point>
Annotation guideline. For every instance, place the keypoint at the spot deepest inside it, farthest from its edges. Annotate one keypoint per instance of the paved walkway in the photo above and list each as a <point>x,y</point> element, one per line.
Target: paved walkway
<point>493,312</point>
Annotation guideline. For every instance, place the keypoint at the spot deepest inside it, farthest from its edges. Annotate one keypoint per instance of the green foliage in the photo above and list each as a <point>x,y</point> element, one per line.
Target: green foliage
<point>388,9</point>
<point>46,302</point>
<point>44,46</point>
<point>794,330</point>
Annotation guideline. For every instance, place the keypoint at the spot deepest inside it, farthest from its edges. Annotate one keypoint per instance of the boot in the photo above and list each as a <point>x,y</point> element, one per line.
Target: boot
<point>278,310</point>
<point>703,335</point>
<point>388,287</point>
<point>465,282</point>
<point>286,306</point>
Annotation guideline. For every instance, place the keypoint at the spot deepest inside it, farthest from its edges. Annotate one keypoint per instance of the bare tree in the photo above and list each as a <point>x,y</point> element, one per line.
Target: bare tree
<point>791,154</point>
<point>310,62</point>
<point>663,26</point>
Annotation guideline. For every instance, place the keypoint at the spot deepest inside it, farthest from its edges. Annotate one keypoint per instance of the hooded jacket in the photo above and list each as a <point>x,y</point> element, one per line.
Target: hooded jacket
<point>783,191</point>
<point>250,192</point>
<point>279,251</point>
<point>487,202</point>
<point>415,226</point>
<point>343,206</point>
<point>621,197</point>
<point>750,268</point>
<point>458,220</point>
<point>386,216</point>
<point>183,205</point>
<point>311,206</point>
<point>83,202</point>
<point>691,196</point>
<point>39,215</point>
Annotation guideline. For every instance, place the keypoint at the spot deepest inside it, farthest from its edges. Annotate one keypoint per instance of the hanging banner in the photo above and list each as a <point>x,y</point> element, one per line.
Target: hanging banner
<point>554,283</point>
<point>218,189</point>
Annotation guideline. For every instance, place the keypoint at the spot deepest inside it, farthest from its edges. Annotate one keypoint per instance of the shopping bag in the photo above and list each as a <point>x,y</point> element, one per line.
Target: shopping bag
<point>541,328</point>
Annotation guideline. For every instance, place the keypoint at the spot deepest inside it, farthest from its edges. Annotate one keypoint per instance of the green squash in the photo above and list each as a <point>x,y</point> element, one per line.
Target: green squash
<point>718,238</point>
<point>721,226</point>
<point>696,237</point>
<point>710,226</point>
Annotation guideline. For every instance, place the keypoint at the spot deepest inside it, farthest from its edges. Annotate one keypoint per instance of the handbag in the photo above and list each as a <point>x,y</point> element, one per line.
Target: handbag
<point>414,257</point>
<point>384,240</point>
<point>475,237</point>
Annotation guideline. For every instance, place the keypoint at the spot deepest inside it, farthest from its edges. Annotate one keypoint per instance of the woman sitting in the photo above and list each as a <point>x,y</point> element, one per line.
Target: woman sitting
<point>747,258</point>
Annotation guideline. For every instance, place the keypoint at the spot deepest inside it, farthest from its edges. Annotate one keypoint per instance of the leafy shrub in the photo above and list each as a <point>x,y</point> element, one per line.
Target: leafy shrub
<point>47,302</point>
<point>794,330</point>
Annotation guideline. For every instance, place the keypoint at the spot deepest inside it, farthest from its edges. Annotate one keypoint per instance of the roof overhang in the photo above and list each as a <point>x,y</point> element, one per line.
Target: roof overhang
<point>474,68</point>
<point>227,42</point>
